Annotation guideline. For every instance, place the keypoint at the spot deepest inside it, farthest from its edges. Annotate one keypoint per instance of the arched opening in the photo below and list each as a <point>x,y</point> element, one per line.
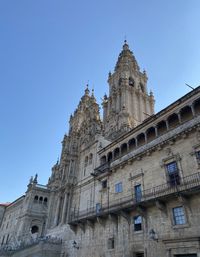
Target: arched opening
<point>197,107</point>
<point>186,113</point>
<point>36,199</point>
<point>131,144</point>
<point>161,127</point>
<point>40,199</point>
<point>45,200</point>
<point>116,153</point>
<point>124,148</point>
<point>120,82</point>
<point>90,158</point>
<point>34,229</point>
<point>173,120</point>
<point>141,139</point>
<point>103,160</point>
<point>151,134</point>
<point>131,82</point>
<point>86,161</point>
<point>109,156</point>
<point>142,87</point>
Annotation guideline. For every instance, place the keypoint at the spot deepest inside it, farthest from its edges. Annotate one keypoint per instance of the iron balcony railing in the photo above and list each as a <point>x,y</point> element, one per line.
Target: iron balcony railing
<point>186,184</point>
<point>102,168</point>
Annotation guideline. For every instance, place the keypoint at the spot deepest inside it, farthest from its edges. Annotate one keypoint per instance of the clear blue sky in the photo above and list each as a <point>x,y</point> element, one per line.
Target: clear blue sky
<point>49,49</point>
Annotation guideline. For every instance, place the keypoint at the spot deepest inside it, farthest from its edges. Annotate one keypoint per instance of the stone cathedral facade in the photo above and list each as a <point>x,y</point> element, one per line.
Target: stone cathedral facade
<point>127,185</point>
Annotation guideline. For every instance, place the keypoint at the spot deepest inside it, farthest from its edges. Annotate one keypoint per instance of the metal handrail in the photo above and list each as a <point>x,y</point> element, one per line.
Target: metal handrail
<point>185,183</point>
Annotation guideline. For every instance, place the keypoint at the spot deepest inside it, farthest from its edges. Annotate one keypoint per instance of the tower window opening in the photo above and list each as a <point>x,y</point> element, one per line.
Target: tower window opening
<point>34,229</point>
<point>142,87</point>
<point>131,82</point>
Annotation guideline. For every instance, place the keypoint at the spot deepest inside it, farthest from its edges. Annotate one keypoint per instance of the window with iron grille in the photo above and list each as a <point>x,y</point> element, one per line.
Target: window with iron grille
<point>111,243</point>
<point>104,184</point>
<point>118,187</point>
<point>137,223</point>
<point>173,174</point>
<point>179,215</point>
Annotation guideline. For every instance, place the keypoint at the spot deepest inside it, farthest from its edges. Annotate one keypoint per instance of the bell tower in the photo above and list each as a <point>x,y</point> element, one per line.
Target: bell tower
<point>128,103</point>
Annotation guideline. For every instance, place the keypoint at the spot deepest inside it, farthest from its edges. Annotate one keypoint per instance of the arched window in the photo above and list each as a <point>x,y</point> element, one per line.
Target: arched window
<point>173,120</point>
<point>86,161</point>
<point>161,127</point>
<point>36,199</point>
<point>131,82</point>
<point>45,200</point>
<point>197,106</point>
<point>109,156</point>
<point>116,153</point>
<point>124,148</point>
<point>141,139</point>
<point>40,199</point>
<point>131,143</point>
<point>151,134</point>
<point>90,158</point>
<point>186,113</point>
<point>34,229</point>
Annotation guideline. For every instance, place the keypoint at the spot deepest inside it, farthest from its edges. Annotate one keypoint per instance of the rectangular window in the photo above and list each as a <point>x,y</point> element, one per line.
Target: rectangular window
<point>137,223</point>
<point>179,216</point>
<point>111,243</point>
<point>198,156</point>
<point>104,184</point>
<point>138,193</point>
<point>98,208</point>
<point>118,187</point>
<point>172,170</point>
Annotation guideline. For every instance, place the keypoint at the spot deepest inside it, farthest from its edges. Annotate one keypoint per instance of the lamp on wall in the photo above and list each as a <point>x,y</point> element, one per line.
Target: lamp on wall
<point>75,245</point>
<point>153,235</point>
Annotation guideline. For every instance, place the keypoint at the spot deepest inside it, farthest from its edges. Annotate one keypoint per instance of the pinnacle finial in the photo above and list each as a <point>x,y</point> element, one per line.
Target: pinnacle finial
<point>31,180</point>
<point>87,91</point>
<point>35,179</point>
<point>125,46</point>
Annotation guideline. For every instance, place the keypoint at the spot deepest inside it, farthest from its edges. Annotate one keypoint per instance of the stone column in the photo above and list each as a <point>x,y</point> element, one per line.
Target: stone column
<point>57,212</point>
<point>50,211</point>
<point>193,111</point>
<point>63,218</point>
<point>156,131</point>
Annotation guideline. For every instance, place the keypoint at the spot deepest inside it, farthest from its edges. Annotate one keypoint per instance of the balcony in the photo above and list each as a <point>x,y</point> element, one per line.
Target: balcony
<point>187,186</point>
<point>102,169</point>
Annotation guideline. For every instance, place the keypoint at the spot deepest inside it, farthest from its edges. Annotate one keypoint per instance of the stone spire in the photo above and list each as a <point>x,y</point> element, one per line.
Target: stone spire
<point>128,100</point>
<point>86,118</point>
<point>126,59</point>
